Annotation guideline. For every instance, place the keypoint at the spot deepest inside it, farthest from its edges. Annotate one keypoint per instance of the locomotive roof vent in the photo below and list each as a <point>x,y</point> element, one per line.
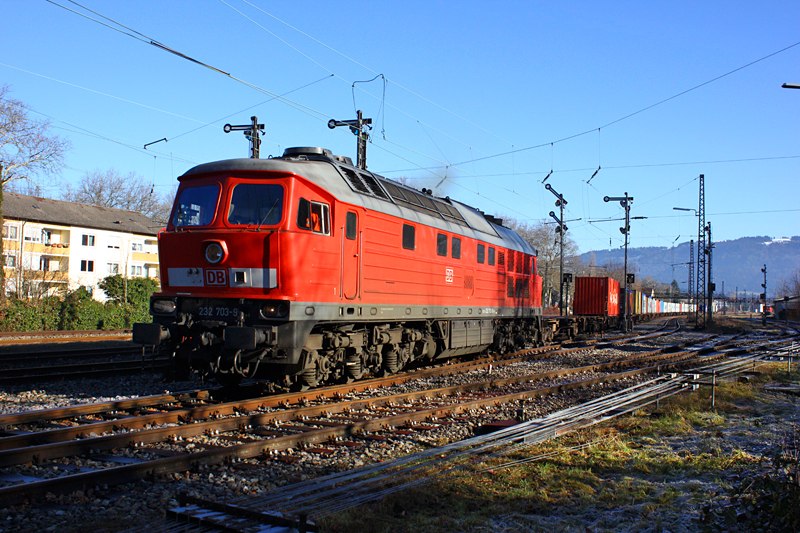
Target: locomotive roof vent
<point>343,159</point>
<point>308,153</point>
<point>493,220</point>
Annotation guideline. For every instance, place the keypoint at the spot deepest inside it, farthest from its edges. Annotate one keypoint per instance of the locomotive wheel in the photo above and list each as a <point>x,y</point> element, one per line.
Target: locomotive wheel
<point>312,373</point>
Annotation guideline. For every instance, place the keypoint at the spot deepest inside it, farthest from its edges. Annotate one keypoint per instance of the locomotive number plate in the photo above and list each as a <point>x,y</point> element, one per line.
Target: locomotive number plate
<point>207,309</point>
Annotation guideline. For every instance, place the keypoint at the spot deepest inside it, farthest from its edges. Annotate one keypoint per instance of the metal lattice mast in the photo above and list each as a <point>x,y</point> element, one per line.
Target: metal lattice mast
<point>701,250</point>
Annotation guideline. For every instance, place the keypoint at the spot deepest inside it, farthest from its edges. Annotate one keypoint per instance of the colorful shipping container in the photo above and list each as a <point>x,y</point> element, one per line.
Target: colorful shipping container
<point>596,296</point>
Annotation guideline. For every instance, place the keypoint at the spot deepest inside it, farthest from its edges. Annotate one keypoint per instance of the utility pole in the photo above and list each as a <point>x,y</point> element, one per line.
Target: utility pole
<point>561,230</point>
<point>359,128</point>
<point>251,131</point>
<point>764,297</point>
<point>625,202</point>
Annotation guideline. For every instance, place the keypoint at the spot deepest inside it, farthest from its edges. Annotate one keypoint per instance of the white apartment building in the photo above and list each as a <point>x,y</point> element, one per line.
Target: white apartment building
<point>51,245</point>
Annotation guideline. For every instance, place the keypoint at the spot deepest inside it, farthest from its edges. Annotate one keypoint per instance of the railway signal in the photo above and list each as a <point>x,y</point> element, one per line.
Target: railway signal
<point>251,131</point>
<point>357,127</point>
<point>764,297</point>
<point>561,229</point>
<point>625,202</point>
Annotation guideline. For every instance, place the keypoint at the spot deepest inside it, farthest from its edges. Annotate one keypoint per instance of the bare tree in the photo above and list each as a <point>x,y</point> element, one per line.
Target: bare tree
<point>790,286</point>
<point>543,236</point>
<point>112,189</point>
<point>27,150</point>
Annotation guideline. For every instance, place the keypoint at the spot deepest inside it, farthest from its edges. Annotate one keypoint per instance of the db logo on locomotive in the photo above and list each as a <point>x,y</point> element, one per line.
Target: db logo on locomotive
<point>216,276</point>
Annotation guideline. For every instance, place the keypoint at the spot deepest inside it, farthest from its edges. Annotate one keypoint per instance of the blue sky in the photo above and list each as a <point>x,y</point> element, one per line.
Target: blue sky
<point>465,81</point>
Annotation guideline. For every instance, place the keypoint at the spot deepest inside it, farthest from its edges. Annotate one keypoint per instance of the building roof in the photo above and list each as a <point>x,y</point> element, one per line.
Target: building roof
<point>46,210</point>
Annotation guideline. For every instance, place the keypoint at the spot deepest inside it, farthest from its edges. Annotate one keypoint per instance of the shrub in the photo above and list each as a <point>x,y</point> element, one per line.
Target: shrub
<point>79,311</point>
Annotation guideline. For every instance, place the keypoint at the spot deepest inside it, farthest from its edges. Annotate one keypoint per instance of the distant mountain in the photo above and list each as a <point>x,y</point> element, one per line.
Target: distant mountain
<point>738,262</point>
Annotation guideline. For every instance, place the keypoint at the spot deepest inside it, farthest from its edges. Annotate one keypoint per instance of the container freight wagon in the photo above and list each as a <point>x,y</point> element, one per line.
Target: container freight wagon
<point>596,296</point>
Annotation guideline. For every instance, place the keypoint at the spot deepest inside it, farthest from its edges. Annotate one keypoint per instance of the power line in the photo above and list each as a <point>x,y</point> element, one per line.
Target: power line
<point>619,167</point>
<point>733,213</point>
<point>636,112</point>
<point>387,80</point>
<point>296,105</point>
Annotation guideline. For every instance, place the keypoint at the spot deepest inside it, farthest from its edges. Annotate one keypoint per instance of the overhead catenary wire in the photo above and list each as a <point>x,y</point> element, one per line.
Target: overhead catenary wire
<point>569,137</point>
<point>397,144</point>
<point>141,37</point>
<point>622,167</point>
<point>387,80</point>
<point>319,115</point>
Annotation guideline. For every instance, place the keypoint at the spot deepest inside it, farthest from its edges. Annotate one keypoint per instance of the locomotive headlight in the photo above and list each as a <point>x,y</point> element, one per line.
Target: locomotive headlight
<point>216,251</point>
<point>163,307</point>
<point>275,309</point>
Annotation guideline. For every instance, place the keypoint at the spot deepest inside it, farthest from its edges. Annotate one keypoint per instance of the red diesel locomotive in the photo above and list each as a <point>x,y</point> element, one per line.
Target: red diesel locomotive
<point>304,269</point>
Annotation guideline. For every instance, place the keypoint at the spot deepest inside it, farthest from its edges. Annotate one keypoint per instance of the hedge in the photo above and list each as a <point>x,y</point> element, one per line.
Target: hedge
<point>79,311</point>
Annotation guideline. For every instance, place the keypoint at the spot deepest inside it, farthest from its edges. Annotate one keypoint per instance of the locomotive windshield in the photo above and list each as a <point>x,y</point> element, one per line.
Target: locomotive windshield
<point>256,204</point>
<point>196,206</point>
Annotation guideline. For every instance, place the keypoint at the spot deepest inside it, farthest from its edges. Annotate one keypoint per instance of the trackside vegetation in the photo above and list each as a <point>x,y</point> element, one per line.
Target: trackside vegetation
<point>683,466</point>
<point>128,303</point>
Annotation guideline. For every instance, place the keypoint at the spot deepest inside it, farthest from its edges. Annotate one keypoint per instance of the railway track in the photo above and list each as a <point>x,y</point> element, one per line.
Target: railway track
<point>132,439</point>
<point>27,365</point>
<point>55,337</point>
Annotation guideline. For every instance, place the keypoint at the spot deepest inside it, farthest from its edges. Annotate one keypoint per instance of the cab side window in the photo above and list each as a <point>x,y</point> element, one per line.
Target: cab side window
<point>314,216</point>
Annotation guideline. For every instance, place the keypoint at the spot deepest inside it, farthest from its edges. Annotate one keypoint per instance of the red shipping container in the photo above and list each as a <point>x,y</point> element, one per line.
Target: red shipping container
<point>596,296</point>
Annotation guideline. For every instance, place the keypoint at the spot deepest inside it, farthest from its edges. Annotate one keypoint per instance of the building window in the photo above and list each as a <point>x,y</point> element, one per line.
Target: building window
<point>481,253</point>
<point>11,261</point>
<point>409,237</point>
<point>456,248</point>
<point>441,244</point>
<point>87,266</point>
<point>137,246</point>
<point>113,268</point>
<point>114,242</point>
<point>33,235</point>
<point>136,270</point>
<point>10,232</point>
<point>87,240</point>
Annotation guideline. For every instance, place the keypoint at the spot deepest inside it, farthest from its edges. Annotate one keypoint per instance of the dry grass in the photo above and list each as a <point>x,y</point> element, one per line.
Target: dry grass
<point>651,471</point>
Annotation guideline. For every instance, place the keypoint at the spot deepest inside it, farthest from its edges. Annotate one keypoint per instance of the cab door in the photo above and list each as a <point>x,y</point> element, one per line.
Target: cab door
<point>351,256</point>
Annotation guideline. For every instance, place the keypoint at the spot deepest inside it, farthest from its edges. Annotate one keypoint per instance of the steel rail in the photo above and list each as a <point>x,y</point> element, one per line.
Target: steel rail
<point>279,399</point>
<point>131,472</point>
<point>7,357</point>
<point>338,497</point>
<point>81,371</point>
<point>545,428</point>
<point>39,446</point>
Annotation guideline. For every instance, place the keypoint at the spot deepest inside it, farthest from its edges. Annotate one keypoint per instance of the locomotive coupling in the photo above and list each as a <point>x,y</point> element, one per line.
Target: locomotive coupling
<point>150,334</point>
<point>247,338</point>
